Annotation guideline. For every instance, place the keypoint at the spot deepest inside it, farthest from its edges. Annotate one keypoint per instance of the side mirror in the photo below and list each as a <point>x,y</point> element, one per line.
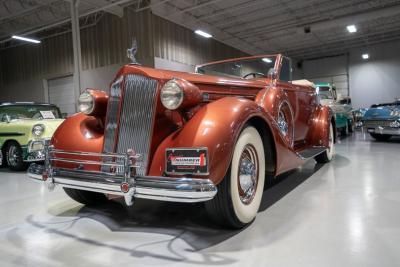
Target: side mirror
<point>272,74</point>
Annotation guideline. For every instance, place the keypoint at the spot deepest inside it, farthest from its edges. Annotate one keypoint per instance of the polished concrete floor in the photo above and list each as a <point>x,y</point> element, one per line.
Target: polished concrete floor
<point>346,213</point>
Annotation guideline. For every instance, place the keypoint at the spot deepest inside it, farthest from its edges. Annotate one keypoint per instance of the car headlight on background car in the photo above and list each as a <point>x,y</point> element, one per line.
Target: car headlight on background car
<point>38,130</point>
<point>395,113</point>
<point>171,95</point>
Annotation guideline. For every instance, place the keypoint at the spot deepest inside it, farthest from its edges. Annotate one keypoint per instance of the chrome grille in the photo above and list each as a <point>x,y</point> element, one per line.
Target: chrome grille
<point>114,100</point>
<point>135,120</point>
<point>376,123</point>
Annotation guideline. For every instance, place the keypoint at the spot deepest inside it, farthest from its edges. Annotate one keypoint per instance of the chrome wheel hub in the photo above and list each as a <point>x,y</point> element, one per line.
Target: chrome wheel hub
<point>282,123</point>
<point>13,155</point>
<point>248,174</point>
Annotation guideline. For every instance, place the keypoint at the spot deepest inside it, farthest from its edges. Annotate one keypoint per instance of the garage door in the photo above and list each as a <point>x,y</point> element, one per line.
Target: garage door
<point>61,93</point>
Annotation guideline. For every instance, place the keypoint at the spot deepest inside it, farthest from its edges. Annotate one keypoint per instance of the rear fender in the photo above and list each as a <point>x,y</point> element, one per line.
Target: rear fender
<point>216,126</point>
<point>320,122</point>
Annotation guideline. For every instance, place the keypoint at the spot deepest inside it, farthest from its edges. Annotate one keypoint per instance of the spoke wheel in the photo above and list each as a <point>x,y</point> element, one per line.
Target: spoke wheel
<point>14,157</point>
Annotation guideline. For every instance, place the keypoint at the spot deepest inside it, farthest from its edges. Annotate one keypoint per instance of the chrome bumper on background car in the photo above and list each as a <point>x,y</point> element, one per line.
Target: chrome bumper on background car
<point>123,182</point>
<point>381,130</point>
<point>35,151</point>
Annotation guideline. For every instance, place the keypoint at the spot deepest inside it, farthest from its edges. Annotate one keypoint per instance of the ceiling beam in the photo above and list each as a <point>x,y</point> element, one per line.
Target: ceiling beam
<point>115,10</point>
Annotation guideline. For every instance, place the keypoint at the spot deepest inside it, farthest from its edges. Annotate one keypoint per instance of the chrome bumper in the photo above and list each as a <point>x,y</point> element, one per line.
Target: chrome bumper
<point>381,130</point>
<point>123,184</point>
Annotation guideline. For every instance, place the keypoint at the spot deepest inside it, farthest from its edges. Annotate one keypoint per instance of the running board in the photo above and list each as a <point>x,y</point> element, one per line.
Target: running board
<point>311,152</point>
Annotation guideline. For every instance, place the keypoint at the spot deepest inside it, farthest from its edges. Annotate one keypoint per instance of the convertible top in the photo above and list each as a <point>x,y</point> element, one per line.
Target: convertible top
<point>395,103</point>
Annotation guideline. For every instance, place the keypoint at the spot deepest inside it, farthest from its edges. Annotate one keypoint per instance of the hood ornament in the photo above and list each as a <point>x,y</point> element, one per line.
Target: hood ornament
<point>131,52</point>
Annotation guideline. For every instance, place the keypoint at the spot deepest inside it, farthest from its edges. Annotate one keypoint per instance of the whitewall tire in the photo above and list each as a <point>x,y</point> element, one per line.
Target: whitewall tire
<point>328,154</point>
<point>239,194</point>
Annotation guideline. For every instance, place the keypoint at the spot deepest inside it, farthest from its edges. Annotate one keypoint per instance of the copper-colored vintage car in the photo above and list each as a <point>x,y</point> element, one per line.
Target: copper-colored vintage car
<point>213,136</point>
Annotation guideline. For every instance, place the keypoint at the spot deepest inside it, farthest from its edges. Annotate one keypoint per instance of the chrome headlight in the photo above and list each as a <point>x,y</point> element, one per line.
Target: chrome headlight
<point>38,130</point>
<point>171,95</point>
<point>395,113</point>
<point>86,103</point>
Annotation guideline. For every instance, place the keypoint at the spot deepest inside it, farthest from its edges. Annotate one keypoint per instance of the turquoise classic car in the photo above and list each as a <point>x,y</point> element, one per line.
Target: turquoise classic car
<point>24,130</point>
<point>382,121</point>
<point>341,106</point>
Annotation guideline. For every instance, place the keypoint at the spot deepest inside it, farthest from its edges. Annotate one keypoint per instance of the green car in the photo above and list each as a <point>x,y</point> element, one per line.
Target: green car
<point>342,108</point>
<point>24,130</point>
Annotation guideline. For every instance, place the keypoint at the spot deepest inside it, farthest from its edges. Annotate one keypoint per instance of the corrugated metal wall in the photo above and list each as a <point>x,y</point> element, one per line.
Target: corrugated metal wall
<point>106,43</point>
<point>176,43</point>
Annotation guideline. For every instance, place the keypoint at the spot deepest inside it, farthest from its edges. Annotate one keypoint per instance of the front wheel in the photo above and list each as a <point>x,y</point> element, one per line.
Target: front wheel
<point>14,157</point>
<point>86,197</point>
<point>327,155</point>
<point>239,194</point>
<point>381,137</point>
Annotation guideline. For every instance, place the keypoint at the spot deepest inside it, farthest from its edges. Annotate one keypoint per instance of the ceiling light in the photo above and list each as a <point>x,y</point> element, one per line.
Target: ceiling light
<point>351,28</point>
<point>204,34</point>
<point>267,60</point>
<point>26,39</point>
<point>365,56</point>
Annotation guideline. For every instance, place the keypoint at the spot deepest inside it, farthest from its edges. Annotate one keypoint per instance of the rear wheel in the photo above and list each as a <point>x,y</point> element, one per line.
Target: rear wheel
<point>239,194</point>
<point>327,155</point>
<point>381,137</point>
<point>14,157</point>
<point>86,197</point>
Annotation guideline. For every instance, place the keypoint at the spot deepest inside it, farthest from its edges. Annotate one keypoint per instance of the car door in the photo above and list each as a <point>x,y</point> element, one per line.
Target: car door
<point>301,100</point>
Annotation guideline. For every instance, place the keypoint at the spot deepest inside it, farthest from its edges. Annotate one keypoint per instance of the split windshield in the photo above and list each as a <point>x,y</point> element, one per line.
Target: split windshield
<point>38,112</point>
<point>245,68</point>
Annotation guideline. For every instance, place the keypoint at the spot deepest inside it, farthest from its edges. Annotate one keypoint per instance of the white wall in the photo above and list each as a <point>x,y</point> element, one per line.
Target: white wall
<point>371,81</point>
<point>377,79</point>
<point>165,64</point>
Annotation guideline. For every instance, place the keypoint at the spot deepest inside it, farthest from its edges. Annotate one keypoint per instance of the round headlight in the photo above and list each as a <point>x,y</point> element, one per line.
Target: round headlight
<point>171,95</point>
<point>38,129</point>
<point>86,103</point>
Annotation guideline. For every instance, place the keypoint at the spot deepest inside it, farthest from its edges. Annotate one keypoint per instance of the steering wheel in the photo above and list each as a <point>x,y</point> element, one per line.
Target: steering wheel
<point>254,74</point>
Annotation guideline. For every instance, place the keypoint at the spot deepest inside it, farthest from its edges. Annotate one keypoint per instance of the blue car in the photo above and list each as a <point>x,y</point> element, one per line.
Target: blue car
<point>382,121</point>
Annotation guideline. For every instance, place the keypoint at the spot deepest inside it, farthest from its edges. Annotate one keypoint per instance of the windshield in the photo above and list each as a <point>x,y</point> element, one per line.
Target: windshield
<point>38,112</point>
<point>245,68</point>
<point>324,92</point>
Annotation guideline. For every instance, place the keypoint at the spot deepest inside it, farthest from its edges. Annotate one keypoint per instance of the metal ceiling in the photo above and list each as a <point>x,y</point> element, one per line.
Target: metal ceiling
<point>254,26</point>
<point>270,26</point>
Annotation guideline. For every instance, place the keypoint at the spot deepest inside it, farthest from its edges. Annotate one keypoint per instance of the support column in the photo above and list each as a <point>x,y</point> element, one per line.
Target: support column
<point>76,44</point>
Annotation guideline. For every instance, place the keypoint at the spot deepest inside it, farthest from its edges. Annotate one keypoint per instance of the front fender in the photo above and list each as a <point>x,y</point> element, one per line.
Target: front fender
<point>79,133</point>
<point>216,126</point>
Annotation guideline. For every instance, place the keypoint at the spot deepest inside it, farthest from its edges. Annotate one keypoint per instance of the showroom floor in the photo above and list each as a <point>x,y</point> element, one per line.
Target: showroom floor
<point>341,214</point>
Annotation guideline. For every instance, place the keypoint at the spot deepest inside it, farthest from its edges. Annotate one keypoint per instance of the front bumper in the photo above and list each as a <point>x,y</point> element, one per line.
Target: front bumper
<point>124,184</point>
<point>381,130</point>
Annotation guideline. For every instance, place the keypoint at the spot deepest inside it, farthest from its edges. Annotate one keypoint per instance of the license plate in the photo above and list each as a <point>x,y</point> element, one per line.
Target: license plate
<point>371,130</point>
<point>187,161</point>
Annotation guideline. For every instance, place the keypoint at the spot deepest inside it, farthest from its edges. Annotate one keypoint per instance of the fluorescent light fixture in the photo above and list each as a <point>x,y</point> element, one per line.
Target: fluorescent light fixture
<point>204,34</point>
<point>365,56</point>
<point>351,28</point>
<point>26,39</point>
<point>267,60</point>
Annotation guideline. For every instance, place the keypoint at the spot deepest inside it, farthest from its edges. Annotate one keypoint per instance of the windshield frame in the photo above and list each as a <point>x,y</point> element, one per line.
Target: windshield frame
<point>277,65</point>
